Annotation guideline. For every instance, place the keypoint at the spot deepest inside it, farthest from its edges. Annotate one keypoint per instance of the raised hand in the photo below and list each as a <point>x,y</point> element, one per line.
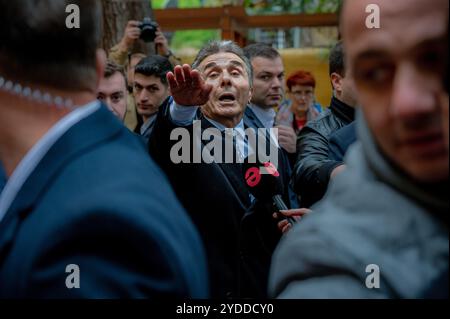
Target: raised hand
<point>287,138</point>
<point>131,34</point>
<point>161,43</point>
<point>187,86</point>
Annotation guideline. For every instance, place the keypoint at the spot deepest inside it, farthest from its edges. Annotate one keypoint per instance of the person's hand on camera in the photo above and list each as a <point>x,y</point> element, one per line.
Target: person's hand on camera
<point>161,43</point>
<point>131,34</point>
<point>187,86</point>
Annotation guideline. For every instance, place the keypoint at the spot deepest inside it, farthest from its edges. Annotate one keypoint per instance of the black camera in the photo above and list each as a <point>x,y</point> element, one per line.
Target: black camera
<point>148,29</point>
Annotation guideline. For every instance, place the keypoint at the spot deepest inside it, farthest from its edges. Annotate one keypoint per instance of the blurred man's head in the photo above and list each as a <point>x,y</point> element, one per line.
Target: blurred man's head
<point>398,73</point>
<point>133,60</point>
<point>268,75</point>
<point>301,85</point>
<point>36,47</point>
<point>112,89</point>
<point>150,87</point>
<point>224,66</point>
<point>341,78</point>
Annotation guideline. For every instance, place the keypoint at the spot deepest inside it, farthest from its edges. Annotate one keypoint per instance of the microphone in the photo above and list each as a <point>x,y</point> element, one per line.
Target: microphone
<point>263,181</point>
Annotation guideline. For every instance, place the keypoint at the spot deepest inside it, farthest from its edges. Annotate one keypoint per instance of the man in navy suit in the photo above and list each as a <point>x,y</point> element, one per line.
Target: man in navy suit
<point>75,222</point>
<point>2,178</point>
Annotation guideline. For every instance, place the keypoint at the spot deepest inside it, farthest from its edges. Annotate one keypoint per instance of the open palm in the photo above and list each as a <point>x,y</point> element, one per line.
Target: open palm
<point>187,86</point>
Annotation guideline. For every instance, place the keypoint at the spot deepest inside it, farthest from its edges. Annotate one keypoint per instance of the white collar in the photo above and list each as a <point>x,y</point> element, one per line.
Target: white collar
<point>222,127</point>
<point>266,116</point>
<point>148,123</point>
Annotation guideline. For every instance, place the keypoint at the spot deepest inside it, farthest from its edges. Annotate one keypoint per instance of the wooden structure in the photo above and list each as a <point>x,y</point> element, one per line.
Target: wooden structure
<point>233,21</point>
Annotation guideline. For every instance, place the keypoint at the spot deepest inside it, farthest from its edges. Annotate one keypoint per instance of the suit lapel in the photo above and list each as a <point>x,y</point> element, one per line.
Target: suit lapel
<point>251,119</point>
<point>232,171</point>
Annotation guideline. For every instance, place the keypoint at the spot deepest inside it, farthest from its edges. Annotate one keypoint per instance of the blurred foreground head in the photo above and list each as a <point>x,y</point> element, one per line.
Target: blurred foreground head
<point>398,70</point>
<point>36,46</point>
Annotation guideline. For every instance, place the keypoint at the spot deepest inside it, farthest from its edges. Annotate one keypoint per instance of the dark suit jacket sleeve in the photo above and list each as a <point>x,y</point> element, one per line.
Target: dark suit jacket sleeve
<point>336,151</point>
<point>341,140</point>
<point>159,143</point>
<point>2,177</point>
<point>313,167</point>
<point>128,257</point>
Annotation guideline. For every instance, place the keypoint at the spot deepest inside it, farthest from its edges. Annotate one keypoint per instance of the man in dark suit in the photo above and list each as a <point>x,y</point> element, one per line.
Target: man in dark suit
<point>74,221</point>
<point>268,75</point>
<point>238,231</point>
<point>2,178</point>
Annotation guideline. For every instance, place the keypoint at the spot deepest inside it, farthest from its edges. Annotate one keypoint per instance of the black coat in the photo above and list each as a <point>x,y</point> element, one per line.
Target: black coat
<point>239,234</point>
<point>313,166</point>
<point>2,178</point>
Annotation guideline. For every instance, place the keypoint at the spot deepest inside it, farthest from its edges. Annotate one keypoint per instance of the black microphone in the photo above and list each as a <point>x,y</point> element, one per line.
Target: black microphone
<point>263,181</point>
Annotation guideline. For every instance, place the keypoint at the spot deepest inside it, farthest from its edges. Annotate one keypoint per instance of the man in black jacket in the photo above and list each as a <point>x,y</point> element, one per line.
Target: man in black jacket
<point>314,168</point>
<point>238,231</point>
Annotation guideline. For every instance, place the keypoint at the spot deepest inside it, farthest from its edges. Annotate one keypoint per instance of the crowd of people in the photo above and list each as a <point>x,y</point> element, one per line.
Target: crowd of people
<point>88,175</point>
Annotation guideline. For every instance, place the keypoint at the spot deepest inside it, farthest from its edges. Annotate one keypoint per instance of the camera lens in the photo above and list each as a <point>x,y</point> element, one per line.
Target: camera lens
<point>148,30</point>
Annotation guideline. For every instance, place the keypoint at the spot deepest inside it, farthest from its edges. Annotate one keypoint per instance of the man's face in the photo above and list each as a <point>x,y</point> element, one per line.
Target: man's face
<point>149,93</point>
<point>134,60</point>
<point>113,92</point>
<point>302,97</point>
<point>345,89</point>
<point>231,88</point>
<point>397,71</point>
<point>268,82</point>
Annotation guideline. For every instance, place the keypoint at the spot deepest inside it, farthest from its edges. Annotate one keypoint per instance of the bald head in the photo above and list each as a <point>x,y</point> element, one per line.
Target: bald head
<point>397,70</point>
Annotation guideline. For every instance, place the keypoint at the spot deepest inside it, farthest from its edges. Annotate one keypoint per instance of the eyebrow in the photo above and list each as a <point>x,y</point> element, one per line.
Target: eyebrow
<point>381,54</point>
<point>371,54</point>
<point>153,85</point>
<point>214,64</point>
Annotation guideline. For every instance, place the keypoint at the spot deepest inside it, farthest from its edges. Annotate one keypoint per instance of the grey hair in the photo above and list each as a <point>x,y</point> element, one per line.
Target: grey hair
<point>215,47</point>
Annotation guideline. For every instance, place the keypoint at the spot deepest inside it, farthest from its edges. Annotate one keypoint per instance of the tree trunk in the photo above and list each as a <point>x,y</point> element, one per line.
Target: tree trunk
<point>116,14</point>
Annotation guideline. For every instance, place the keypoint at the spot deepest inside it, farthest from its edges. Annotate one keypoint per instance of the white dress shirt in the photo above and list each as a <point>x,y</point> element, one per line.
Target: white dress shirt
<point>266,116</point>
<point>185,115</point>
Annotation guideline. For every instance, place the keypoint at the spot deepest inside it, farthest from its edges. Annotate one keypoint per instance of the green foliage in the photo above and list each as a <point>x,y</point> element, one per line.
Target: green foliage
<point>197,38</point>
<point>193,38</point>
<point>288,6</point>
<point>263,6</point>
<point>158,4</point>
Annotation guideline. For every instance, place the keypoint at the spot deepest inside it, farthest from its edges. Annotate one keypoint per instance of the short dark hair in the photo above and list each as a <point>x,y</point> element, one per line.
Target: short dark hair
<point>261,50</point>
<point>155,65</point>
<point>214,47</point>
<point>336,59</point>
<point>111,68</point>
<point>38,47</point>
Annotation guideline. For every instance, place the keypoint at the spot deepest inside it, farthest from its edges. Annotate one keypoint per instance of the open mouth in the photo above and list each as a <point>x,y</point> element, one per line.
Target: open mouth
<point>227,97</point>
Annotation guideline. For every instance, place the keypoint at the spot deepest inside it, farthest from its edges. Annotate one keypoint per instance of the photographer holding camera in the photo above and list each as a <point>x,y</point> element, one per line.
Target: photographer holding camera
<point>122,54</point>
<point>146,30</point>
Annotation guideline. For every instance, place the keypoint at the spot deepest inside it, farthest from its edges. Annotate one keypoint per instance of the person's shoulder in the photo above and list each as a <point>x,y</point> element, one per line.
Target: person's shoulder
<point>320,119</point>
<point>318,125</point>
<point>347,131</point>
